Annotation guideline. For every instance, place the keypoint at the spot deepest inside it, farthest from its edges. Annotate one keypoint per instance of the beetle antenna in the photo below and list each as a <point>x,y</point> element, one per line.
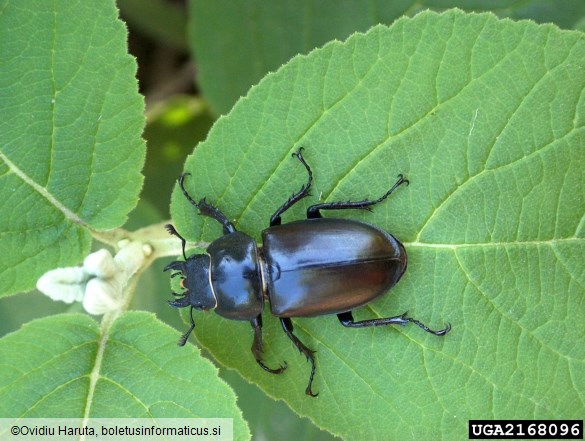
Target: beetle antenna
<point>173,232</point>
<point>206,209</point>
<point>185,336</point>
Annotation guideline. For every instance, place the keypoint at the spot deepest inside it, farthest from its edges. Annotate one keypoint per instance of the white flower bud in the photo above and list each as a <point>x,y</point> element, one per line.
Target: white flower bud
<point>102,295</point>
<point>130,258</point>
<point>64,284</point>
<point>100,264</point>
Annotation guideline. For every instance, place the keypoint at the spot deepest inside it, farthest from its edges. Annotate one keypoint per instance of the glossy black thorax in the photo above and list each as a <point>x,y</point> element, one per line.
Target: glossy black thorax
<point>235,276</point>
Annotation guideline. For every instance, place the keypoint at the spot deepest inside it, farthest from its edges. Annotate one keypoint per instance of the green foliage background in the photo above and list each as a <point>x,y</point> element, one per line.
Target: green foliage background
<point>485,116</point>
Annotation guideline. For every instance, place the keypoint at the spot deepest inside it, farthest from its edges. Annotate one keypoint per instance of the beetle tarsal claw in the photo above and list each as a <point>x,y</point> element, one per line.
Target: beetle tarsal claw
<point>443,331</point>
<point>426,328</point>
<point>309,392</point>
<point>278,370</point>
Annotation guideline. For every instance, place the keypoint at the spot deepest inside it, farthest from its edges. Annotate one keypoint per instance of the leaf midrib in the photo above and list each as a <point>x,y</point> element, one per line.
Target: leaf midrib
<point>456,246</point>
<point>42,191</point>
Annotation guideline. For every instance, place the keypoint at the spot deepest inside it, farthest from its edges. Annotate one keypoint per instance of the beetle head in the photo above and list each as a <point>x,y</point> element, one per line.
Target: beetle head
<point>194,273</point>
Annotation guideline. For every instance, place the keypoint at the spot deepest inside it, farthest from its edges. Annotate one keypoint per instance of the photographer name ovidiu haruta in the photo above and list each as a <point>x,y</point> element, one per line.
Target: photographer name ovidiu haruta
<point>52,431</point>
<point>64,430</point>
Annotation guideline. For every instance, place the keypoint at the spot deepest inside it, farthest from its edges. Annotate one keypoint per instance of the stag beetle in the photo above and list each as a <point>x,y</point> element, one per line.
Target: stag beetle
<point>304,268</point>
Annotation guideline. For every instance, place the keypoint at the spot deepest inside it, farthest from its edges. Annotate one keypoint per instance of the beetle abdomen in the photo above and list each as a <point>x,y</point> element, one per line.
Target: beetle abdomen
<point>328,266</point>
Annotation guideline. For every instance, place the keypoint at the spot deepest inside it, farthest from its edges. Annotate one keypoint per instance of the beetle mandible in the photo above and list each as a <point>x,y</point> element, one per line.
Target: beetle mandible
<point>304,268</point>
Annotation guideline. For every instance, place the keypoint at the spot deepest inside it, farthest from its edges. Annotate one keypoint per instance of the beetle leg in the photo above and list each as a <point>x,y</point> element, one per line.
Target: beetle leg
<point>173,232</point>
<point>185,336</point>
<point>206,209</point>
<point>257,347</point>
<point>303,192</point>
<point>366,204</point>
<point>288,329</point>
<point>346,319</point>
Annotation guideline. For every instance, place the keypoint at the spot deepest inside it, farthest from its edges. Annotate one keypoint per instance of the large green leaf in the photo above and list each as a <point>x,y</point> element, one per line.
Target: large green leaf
<point>71,151</point>
<point>66,366</point>
<point>486,119</point>
<point>237,43</point>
